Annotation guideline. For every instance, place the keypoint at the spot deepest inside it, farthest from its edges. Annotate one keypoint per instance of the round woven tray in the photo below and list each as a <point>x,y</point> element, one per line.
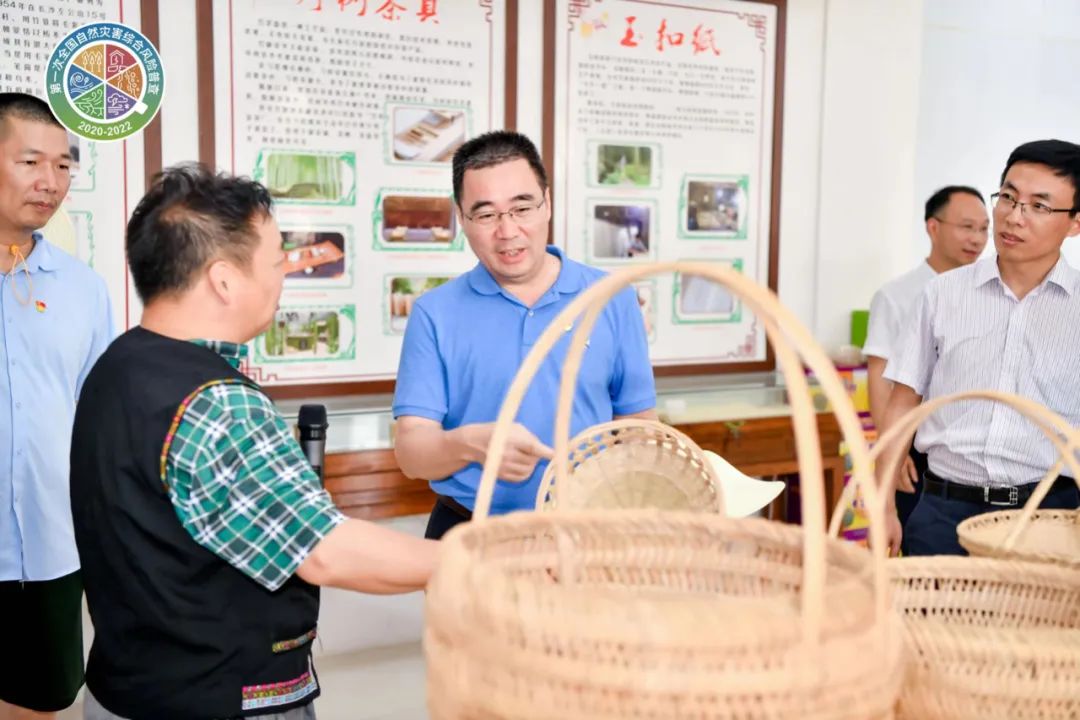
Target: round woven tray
<point>659,614</point>
<point>627,464</point>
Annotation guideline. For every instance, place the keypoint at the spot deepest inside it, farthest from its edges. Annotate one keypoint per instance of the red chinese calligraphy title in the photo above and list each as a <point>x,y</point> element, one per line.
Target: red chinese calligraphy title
<point>388,10</point>
<point>701,41</point>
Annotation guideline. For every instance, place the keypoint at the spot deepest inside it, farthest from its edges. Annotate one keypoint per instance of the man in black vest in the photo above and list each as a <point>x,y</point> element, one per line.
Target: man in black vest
<point>202,530</point>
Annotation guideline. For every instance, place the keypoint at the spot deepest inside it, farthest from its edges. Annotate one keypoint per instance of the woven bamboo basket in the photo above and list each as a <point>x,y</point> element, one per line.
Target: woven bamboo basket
<point>987,638</point>
<point>1051,536</point>
<point>622,614</point>
<point>633,463</point>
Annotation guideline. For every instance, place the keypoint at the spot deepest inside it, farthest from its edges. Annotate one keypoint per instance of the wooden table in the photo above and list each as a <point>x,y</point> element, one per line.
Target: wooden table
<point>369,484</point>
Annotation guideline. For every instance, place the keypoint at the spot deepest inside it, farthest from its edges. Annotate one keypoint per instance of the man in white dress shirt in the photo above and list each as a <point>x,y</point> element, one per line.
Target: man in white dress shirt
<point>958,226</point>
<point>1010,323</point>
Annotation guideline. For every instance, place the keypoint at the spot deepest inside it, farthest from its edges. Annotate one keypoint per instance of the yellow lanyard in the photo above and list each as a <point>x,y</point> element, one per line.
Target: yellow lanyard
<point>17,252</point>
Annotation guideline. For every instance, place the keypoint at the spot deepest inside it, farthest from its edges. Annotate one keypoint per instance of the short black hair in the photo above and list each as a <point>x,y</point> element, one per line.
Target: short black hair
<point>495,148</point>
<point>1063,158</point>
<point>941,198</point>
<point>24,107</point>
<point>188,218</point>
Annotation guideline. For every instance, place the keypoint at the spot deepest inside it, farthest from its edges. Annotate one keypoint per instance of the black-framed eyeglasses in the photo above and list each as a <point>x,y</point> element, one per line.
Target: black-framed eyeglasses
<point>966,227</point>
<point>518,213</point>
<point>1006,202</point>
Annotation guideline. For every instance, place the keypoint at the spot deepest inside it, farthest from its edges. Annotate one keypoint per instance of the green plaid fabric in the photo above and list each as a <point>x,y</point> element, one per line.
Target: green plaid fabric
<point>240,484</point>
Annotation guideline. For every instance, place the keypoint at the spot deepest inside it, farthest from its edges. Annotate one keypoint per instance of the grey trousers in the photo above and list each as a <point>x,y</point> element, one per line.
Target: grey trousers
<point>92,710</point>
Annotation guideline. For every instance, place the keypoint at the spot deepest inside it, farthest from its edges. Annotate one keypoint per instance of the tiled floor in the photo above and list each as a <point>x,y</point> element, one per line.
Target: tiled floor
<point>380,684</point>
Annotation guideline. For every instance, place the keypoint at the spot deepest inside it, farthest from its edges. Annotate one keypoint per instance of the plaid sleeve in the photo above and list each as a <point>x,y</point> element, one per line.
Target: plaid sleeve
<point>241,486</point>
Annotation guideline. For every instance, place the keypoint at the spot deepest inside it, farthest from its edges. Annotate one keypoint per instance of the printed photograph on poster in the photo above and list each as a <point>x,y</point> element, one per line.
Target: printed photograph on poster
<point>427,134</point>
<point>308,178</point>
<point>404,221</point>
<point>400,292</point>
<point>314,254</point>
<point>309,334</point>
<point>613,164</point>
<point>646,297</point>
<point>698,300</point>
<point>620,231</point>
<point>714,207</point>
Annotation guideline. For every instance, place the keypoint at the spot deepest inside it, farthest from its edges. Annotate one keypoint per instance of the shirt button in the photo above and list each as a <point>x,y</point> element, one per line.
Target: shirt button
<point>18,405</point>
<point>531,313</point>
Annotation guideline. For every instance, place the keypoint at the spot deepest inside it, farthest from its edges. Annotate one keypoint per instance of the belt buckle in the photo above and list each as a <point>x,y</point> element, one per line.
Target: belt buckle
<point>1013,501</point>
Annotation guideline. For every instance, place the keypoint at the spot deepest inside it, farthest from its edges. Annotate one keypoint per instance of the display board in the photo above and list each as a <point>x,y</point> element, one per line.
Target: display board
<point>107,177</point>
<point>665,132</point>
<point>349,112</point>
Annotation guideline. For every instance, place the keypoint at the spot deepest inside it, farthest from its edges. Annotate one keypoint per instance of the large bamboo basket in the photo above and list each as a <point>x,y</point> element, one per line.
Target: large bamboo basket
<point>1051,536</point>
<point>987,638</point>
<point>648,614</point>
<point>633,464</point>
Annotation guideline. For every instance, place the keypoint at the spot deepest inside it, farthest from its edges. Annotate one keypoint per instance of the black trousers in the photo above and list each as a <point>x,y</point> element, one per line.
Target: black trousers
<point>931,528</point>
<point>906,502</point>
<point>41,623</point>
<point>446,514</point>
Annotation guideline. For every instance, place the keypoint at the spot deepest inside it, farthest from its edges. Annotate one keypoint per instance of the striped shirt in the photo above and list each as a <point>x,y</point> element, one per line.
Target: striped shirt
<point>969,332</point>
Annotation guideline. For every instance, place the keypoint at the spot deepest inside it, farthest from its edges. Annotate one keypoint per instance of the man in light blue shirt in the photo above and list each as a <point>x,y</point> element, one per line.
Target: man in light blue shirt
<point>55,320</point>
<point>466,339</point>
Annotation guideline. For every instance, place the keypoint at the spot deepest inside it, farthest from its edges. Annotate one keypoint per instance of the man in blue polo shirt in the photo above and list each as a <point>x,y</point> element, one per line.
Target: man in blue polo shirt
<point>55,321</point>
<point>466,339</point>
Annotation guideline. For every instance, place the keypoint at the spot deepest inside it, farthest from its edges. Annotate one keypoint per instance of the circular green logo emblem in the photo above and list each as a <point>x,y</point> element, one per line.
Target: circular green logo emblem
<point>105,81</point>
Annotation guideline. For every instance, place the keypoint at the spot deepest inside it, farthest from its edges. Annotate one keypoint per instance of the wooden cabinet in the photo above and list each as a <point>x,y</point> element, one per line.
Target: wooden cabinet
<point>369,484</point>
<point>765,447</point>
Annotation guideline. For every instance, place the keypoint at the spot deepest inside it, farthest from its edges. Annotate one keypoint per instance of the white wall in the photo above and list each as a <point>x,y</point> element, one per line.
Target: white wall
<point>995,74</point>
<point>869,116</point>
<point>179,114</point>
<point>801,157</point>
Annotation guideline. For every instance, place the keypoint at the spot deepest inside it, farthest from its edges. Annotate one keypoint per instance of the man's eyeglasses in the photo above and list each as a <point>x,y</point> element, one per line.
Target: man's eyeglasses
<point>1006,202</point>
<point>966,227</point>
<point>518,213</point>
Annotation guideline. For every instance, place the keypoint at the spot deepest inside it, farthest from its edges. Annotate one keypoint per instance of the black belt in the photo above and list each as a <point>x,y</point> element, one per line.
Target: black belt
<point>456,507</point>
<point>1014,496</point>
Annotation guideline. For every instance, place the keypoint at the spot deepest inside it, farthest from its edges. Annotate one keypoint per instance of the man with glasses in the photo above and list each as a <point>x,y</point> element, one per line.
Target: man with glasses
<point>1008,323</point>
<point>957,224</point>
<point>465,341</point>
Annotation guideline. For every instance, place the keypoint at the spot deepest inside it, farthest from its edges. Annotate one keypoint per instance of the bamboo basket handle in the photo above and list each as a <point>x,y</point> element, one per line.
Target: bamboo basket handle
<point>549,476</point>
<point>774,315</point>
<point>808,447</point>
<point>1053,425</point>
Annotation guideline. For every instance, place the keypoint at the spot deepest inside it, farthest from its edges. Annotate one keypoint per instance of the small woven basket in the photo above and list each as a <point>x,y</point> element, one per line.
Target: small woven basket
<point>987,638</point>
<point>639,613</point>
<point>1051,536</point>
<point>632,463</point>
